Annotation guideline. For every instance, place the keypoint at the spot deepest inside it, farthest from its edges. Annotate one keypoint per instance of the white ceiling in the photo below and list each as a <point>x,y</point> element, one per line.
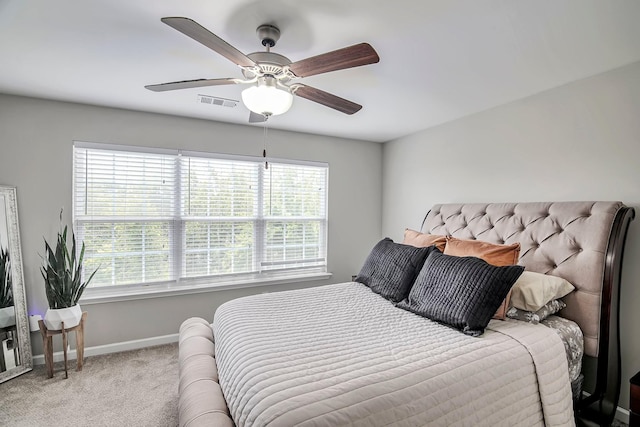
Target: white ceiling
<point>440,59</point>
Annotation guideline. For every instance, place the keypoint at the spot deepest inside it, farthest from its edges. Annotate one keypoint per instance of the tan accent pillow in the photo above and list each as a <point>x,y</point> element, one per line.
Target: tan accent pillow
<point>422,240</point>
<point>532,290</point>
<point>498,255</point>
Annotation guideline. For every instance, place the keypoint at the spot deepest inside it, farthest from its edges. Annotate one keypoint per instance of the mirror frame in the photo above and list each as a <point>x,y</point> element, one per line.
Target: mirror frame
<point>19,299</point>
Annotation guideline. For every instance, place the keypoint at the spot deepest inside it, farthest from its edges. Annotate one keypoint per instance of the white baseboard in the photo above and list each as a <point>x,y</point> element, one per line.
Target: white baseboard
<point>622,415</point>
<point>110,348</point>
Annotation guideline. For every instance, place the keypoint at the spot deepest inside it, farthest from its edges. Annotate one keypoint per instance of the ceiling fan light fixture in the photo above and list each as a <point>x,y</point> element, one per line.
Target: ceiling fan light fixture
<point>271,72</point>
<point>267,98</point>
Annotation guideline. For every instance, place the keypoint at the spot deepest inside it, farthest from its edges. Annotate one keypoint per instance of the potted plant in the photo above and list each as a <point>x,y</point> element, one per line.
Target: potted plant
<point>62,273</point>
<point>7,310</point>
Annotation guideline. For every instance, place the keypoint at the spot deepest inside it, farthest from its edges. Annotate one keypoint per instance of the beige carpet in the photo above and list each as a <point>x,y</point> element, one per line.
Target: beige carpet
<point>134,388</point>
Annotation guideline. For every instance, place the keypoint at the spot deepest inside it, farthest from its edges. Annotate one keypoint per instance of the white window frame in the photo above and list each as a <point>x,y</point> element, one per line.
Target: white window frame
<point>179,285</point>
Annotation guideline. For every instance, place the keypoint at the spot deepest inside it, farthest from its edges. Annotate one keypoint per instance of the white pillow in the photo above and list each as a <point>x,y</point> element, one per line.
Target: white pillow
<point>533,290</point>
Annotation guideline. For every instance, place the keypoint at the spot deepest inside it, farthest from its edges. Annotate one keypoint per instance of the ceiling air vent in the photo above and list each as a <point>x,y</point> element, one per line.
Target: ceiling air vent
<point>212,100</point>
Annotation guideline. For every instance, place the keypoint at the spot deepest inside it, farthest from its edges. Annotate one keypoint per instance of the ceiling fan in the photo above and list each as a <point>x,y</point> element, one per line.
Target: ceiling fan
<point>272,75</point>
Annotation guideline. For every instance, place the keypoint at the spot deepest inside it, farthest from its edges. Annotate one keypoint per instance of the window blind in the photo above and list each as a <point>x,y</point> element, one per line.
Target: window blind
<point>160,215</point>
<point>124,211</point>
<point>219,207</point>
<point>295,216</point>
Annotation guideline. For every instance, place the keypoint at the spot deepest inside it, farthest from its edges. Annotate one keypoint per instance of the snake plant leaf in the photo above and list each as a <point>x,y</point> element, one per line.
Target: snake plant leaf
<point>63,272</point>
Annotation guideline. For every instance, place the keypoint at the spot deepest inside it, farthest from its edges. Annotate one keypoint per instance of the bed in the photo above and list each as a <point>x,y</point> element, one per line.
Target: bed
<point>344,355</point>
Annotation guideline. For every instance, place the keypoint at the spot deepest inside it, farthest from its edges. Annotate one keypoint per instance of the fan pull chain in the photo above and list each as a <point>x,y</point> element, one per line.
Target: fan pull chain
<point>264,149</point>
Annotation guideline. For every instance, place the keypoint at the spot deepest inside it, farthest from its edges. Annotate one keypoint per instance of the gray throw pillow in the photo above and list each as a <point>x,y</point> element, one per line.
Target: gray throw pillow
<point>462,292</point>
<point>552,307</point>
<point>391,268</point>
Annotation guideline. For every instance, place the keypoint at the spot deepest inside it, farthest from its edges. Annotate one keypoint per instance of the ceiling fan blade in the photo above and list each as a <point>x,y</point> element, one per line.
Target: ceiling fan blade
<point>257,118</point>
<point>187,84</point>
<point>326,99</point>
<point>200,34</point>
<point>348,57</point>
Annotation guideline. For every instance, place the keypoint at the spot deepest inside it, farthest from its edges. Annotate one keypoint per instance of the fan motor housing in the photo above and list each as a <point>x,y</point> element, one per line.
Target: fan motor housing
<point>270,63</point>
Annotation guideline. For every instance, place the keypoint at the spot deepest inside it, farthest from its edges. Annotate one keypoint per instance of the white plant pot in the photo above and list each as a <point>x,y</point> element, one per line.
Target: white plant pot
<point>54,317</point>
<point>7,316</point>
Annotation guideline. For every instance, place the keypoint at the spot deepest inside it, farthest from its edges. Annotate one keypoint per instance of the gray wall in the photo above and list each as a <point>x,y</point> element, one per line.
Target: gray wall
<point>36,138</point>
<point>580,141</point>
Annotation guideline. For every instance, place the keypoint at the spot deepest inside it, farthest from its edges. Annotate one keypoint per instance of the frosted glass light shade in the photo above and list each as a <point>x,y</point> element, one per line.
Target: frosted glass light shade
<point>267,100</point>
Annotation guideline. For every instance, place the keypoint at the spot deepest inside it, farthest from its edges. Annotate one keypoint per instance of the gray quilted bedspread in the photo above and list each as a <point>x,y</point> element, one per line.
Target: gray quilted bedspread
<point>342,355</point>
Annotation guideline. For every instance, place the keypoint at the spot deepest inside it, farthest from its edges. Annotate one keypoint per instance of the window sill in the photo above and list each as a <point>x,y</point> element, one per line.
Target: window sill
<point>99,296</point>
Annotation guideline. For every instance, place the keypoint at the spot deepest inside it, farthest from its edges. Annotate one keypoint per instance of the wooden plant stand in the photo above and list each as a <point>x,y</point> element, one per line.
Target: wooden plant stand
<point>47,341</point>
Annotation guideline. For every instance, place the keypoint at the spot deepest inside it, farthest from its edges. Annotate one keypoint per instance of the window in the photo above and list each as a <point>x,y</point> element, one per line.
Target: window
<point>164,216</point>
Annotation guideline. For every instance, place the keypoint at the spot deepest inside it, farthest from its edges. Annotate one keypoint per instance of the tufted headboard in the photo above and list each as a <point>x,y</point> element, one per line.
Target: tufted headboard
<point>580,241</point>
<point>566,239</point>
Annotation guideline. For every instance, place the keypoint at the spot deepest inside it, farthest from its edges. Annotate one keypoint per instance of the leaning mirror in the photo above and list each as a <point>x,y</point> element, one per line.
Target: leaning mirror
<point>15,344</point>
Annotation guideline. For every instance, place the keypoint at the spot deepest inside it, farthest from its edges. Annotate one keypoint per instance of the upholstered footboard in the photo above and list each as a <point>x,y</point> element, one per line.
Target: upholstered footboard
<point>201,401</point>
